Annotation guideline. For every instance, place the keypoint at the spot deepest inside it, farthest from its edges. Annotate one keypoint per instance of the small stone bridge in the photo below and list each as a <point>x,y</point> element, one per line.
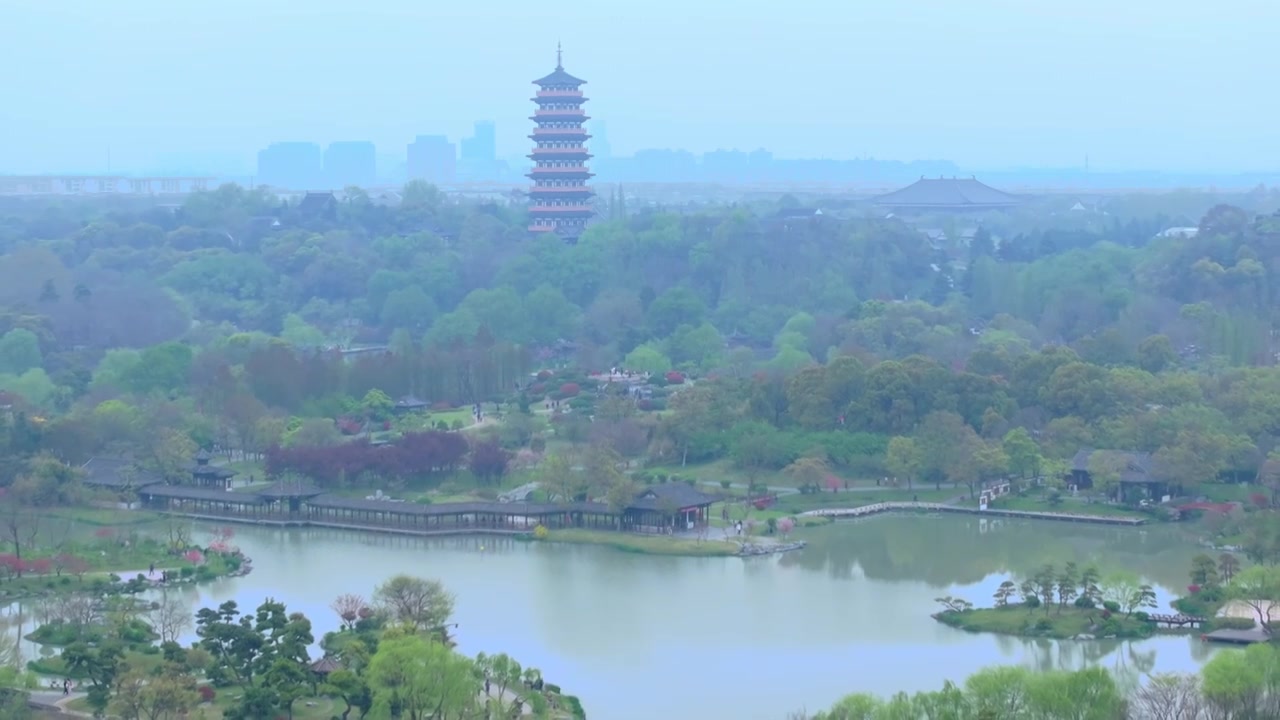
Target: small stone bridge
<point>1177,621</point>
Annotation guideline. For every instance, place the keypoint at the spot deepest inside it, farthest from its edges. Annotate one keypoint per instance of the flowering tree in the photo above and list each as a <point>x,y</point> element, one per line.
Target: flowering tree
<point>40,566</point>
<point>570,390</point>
<point>675,377</point>
<point>350,608</point>
<point>489,461</point>
<point>833,483</point>
<point>194,556</point>
<point>786,525</point>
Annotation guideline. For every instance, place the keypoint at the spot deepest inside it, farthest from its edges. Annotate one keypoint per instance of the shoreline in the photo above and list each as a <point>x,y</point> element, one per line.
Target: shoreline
<point>917,507</point>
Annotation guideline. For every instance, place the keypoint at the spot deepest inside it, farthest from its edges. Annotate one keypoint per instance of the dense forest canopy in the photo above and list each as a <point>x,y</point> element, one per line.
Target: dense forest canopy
<point>230,320</point>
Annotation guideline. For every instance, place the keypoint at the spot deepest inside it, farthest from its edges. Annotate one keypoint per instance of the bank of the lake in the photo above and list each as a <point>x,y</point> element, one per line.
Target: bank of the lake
<point>709,546</point>
<point>848,613</point>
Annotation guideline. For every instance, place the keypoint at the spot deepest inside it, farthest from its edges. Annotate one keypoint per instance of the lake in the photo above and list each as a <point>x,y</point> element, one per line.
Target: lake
<point>642,637</point>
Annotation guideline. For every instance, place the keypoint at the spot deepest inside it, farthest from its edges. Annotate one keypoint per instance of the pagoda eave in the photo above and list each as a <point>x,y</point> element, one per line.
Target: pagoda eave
<point>570,117</point>
<point>561,98</point>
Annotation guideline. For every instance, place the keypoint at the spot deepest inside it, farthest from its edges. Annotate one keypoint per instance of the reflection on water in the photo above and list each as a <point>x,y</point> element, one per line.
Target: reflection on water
<point>639,636</point>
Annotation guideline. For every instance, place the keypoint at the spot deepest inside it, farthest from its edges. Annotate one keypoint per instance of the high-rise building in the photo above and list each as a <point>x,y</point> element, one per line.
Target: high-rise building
<point>432,158</point>
<point>600,141</point>
<point>350,163</point>
<point>482,145</point>
<point>291,166</point>
<point>560,201</point>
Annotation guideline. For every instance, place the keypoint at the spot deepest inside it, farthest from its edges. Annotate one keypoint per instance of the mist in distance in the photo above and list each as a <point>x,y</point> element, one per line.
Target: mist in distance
<point>1177,85</point>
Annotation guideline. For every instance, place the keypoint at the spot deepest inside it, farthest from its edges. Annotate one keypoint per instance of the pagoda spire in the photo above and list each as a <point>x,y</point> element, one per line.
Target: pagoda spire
<point>559,56</point>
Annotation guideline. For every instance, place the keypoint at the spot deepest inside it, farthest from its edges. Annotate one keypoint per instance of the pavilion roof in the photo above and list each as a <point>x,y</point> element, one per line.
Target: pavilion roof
<point>116,472</point>
<point>1138,467</point>
<point>289,489</point>
<point>409,401</point>
<point>944,193</point>
<point>203,456</point>
<point>325,665</point>
<point>677,494</point>
<point>211,471</point>
<point>558,77</point>
<point>459,508</point>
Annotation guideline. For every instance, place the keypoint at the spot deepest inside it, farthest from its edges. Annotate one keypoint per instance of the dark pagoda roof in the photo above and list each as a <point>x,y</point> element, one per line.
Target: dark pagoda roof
<point>948,193</point>
<point>203,456</point>
<point>559,77</point>
<point>117,472</point>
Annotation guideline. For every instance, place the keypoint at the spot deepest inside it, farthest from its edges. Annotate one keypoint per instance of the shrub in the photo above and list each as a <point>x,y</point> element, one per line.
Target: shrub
<point>207,694</point>
<point>1111,606</point>
<point>1044,625</point>
<point>674,377</point>
<point>569,390</point>
<point>1031,601</point>
<point>1106,614</point>
<point>544,375</point>
<point>725,484</point>
<point>187,572</point>
<point>538,389</point>
<point>1084,601</point>
<point>1142,615</point>
<point>1193,589</point>
<point>540,532</point>
<point>645,404</point>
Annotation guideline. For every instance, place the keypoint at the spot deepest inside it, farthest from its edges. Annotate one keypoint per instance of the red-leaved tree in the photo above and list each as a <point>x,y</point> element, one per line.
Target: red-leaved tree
<point>489,461</point>
<point>569,390</point>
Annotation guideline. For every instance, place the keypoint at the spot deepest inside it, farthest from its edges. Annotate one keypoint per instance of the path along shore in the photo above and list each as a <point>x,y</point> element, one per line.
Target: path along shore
<point>876,509</point>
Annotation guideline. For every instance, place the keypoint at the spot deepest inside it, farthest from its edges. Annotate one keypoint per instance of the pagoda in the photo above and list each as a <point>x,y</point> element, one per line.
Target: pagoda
<point>559,200</point>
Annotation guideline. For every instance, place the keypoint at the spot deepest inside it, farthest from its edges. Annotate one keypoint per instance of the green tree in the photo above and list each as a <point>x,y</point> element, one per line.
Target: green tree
<point>646,358</point>
<point>417,679</point>
<point>1259,588</point>
<point>1023,453</point>
<point>19,352</point>
<point>903,459</point>
<point>416,603</point>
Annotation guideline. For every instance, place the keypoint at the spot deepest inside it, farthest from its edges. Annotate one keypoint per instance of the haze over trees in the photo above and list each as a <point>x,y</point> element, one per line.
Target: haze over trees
<point>856,346</point>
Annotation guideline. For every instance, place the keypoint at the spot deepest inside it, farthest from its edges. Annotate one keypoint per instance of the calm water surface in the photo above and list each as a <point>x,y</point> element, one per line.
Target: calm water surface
<point>643,637</point>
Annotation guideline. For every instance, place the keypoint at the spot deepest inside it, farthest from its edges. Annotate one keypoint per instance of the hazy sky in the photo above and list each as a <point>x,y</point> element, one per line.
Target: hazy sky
<point>1135,84</point>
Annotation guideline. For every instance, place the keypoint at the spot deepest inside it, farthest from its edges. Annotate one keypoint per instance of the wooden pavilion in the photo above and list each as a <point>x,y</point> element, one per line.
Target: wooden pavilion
<point>205,474</point>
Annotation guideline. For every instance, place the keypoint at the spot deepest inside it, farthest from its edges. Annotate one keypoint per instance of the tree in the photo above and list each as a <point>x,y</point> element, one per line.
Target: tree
<point>489,461</point>
<point>350,608</point>
<point>419,679</point>
<point>1004,592</point>
<point>903,459</point>
<point>785,526</point>
<point>1259,588</point>
<point>170,617</point>
<point>164,695</point>
<point>1167,696</point>
<point>1204,571</point>
<point>808,473</point>
<point>1045,581</point>
<point>376,405</point>
<point>417,603</point>
<point>100,663</point>
<point>1228,566</point>
<point>1068,582</point>
<point>19,352</point>
<point>1023,453</point>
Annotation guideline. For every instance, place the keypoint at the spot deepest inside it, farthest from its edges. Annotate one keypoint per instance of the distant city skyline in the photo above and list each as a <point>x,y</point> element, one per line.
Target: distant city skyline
<point>983,84</point>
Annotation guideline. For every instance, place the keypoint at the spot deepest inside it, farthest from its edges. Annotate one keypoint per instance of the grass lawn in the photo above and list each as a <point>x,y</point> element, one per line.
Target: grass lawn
<point>98,517</point>
<point>307,708</point>
<point>1056,622</point>
<point>649,544</point>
